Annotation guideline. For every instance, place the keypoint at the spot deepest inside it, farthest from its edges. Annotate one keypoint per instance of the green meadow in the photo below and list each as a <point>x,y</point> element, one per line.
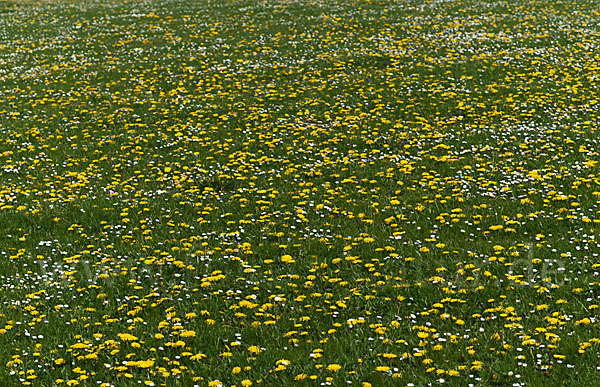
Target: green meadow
<point>299,193</point>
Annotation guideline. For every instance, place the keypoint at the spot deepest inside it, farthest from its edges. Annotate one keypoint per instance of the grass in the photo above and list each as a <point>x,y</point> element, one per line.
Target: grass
<point>277,193</point>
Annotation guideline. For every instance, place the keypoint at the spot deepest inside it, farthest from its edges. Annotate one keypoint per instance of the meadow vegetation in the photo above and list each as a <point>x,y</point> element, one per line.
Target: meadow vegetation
<point>251,192</point>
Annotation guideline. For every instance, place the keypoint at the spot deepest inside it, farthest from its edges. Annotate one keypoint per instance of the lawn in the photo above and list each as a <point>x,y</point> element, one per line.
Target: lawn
<point>252,192</point>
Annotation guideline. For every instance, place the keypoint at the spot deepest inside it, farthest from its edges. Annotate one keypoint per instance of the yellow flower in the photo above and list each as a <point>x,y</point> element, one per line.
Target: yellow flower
<point>334,367</point>
<point>287,259</point>
<point>476,365</point>
<point>197,356</point>
<point>145,363</point>
<point>254,349</point>
<point>186,334</point>
<point>127,337</point>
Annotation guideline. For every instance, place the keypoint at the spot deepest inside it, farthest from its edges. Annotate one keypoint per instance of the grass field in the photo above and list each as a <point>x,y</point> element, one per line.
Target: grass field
<point>243,193</point>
